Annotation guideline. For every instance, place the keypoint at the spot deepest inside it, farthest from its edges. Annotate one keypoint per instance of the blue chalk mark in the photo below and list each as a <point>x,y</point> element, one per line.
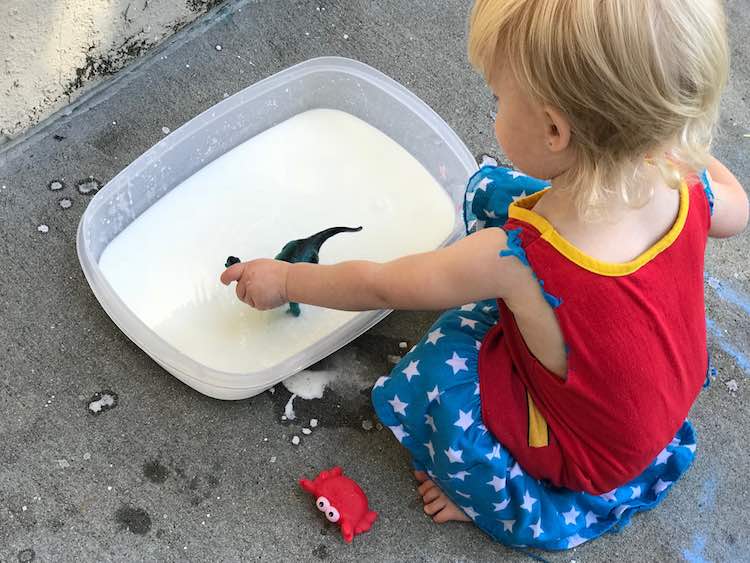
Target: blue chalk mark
<point>742,361</point>
<point>729,294</point>
<point>708,495</point>
<point>695,554</point>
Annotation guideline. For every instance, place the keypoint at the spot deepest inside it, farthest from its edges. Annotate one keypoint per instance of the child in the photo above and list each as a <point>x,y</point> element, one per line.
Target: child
<point>552,407</point>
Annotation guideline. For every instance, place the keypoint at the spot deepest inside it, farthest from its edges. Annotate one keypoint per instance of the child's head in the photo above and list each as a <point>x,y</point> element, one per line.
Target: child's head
<point>589,88</point>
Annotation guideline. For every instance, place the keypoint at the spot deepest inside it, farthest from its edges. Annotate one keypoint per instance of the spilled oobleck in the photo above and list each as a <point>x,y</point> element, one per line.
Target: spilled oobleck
<point>319,169</point>
<point>309,384</point>
<point>306,385</point>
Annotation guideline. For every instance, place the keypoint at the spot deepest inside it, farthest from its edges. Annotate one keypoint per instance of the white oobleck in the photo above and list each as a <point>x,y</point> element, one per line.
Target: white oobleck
<point>319,169</point>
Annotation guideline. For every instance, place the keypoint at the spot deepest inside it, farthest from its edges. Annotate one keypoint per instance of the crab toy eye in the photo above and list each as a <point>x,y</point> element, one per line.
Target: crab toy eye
<point>332,514</point>
<point>322,504</point>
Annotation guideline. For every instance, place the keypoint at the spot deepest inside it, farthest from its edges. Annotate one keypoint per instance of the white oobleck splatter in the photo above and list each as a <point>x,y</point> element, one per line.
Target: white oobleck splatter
<point>106,400</point>
<point>306,385</point>
<point>289,408</point>
<point>309,384</point>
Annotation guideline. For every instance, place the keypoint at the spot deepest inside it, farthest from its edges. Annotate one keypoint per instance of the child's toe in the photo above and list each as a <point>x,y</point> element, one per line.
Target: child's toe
<point>450,514</point>
<point>421,476</point>
<point>424,487</point>
<point>431,495</point>
<point>436,505</point>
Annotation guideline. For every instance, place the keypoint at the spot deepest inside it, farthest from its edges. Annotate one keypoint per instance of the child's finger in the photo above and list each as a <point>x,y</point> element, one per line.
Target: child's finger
<point>241,291</point>
<point>233,273</point>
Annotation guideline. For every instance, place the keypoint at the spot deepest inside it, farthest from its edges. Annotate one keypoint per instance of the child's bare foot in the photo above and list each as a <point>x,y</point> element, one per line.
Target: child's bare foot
<point>436,503</point>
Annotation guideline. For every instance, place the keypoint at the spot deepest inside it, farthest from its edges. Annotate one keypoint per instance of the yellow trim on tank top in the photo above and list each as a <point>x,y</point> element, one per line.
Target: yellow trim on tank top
<point>522,210</point>
<point>538,430</point>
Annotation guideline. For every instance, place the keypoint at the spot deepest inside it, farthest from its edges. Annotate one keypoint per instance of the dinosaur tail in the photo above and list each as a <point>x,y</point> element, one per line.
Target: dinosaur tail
<point>318,239</point>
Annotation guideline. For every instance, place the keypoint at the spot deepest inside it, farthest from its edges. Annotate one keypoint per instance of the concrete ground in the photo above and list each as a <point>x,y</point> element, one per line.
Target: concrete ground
<point>168,474</point>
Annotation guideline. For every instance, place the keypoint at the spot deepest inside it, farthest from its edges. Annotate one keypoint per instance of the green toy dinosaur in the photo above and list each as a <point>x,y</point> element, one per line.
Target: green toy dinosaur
<point>303,250</point>
<point>307,250</point>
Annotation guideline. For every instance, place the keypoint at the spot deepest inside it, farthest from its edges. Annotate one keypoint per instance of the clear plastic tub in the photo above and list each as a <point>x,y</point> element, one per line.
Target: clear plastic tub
<point>329,82</point>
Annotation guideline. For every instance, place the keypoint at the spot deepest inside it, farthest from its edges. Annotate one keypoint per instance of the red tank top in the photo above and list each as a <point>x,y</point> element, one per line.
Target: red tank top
<point>635,336</point>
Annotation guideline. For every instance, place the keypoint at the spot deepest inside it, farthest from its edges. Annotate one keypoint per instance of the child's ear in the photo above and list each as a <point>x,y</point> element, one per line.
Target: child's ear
<point>557,129</point>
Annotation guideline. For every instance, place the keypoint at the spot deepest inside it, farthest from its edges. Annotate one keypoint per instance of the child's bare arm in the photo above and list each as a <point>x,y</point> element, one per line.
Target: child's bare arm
<point>730,214</point>
<point>466,271</point>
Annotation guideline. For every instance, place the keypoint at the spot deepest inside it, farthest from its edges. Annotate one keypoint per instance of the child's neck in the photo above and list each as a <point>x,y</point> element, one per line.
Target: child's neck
<point>619,232</point>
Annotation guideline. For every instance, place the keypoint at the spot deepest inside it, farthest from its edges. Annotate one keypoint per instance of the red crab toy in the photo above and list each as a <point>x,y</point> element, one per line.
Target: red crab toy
<point>342,501</point>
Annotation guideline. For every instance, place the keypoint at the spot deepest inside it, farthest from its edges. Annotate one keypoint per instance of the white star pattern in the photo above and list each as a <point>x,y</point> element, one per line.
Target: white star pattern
<point>399,432</point>
<point>663,456</point>
<point>468,322</point>
<point>636,492</point>
<point>691,447</point>
<point>497,483</point>
<point>619,510</point>
<point>465,420</point>
<point>516,174</point>
<point>537,528</point>
<point>490,214</point>
<point>483,183</point>
<point>495,453</point>
<point>454,456</point>
<point>411,370</point>
<point>465,495</point>
<point>381,382</point>
<point>479,344</point>
<point>398,405</point>
<point>470,512</point>
<point>457,363</point>
<point>461,475</point>
<point>430,450</point>
<point>515,471</point>
<point>610,496</point>
<point>591,518</point>
<point>571,515</point>
<point>507,525</point>
<point>675,441</point>
<point>434,336</point>
<point>433,395</point>
<point>430,421</point>
<point>482,428</point>
<point>487,309</point>
<point>528,501</point>
<point>517,197</point>
<point>501,505</point>
<point>476,389</point>
<point>661,486</point>
<point>468,307</point>
<point>575,541</point>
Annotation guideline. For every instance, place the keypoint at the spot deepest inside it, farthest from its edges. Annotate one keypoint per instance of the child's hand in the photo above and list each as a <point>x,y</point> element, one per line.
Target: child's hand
<point>260,283</point>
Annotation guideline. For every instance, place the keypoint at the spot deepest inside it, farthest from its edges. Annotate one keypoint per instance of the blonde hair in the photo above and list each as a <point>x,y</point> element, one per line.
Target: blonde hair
<point>634,77</point>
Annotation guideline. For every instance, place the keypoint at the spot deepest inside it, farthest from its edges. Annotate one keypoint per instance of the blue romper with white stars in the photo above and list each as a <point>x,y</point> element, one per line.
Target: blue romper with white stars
<point>431,403</point>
